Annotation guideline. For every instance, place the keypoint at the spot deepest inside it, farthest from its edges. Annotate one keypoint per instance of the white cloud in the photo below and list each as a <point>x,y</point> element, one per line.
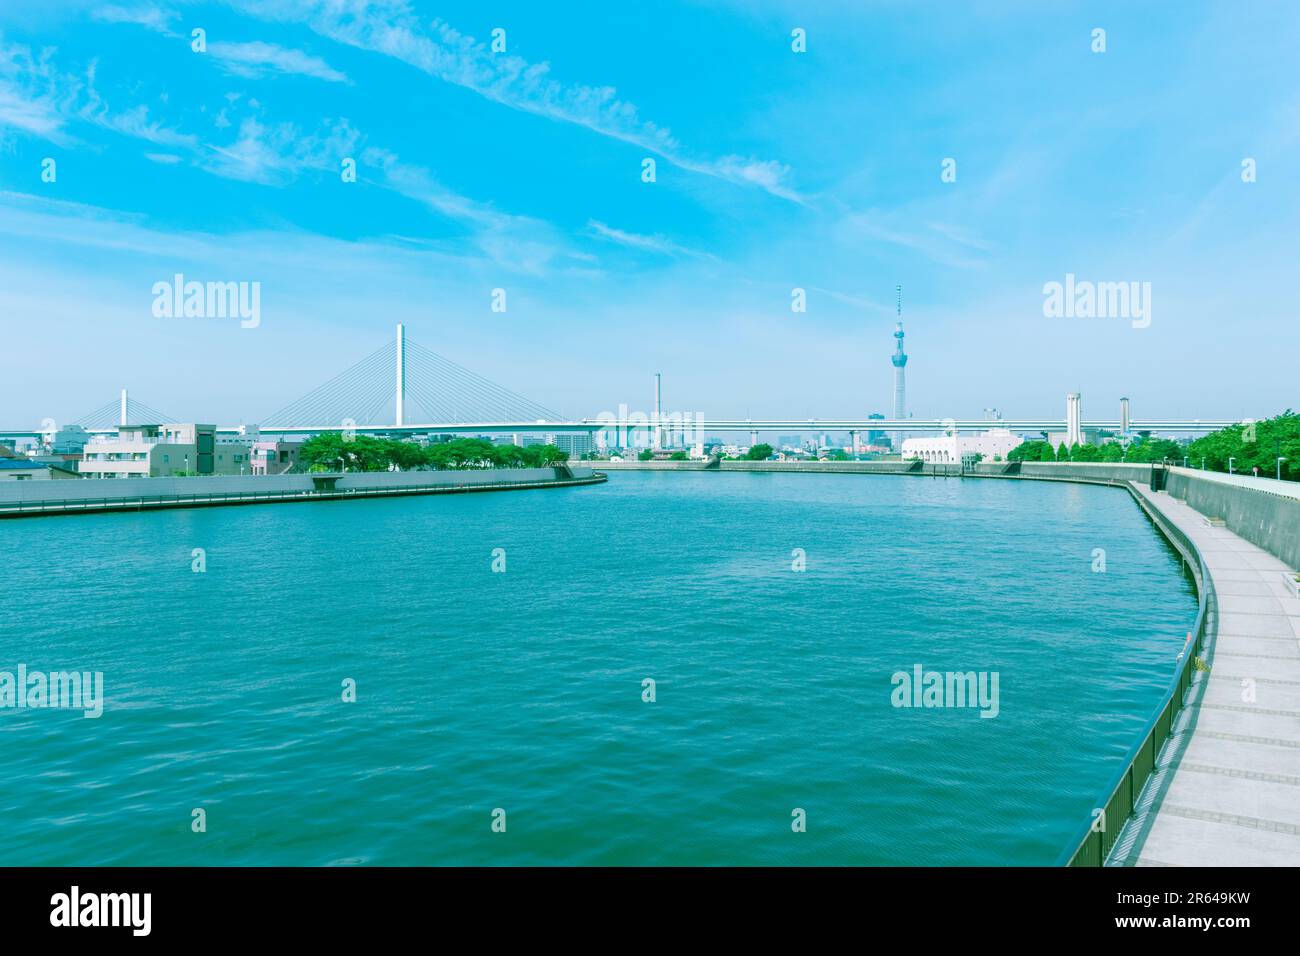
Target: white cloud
<point>30,98</point>
<point>274,154</point>
<point>655,243</point>
<point>36,116</point>
<point>390,28</point>
<point>149,16</point>
<point>257,59</point>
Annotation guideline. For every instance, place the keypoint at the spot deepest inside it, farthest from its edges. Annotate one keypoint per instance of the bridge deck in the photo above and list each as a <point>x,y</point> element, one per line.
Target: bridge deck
<point>1234,795</point>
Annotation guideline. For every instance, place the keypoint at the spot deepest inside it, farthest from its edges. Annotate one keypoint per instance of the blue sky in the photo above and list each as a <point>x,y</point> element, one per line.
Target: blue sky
<point>775,170</point>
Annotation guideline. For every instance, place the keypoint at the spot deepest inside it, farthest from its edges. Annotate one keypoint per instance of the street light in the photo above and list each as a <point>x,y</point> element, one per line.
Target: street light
<point>1231,459</point>
<point>1280,459</point>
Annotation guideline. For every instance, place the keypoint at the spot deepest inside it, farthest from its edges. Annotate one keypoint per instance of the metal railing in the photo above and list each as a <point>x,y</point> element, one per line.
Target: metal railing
<point>1096,842</point>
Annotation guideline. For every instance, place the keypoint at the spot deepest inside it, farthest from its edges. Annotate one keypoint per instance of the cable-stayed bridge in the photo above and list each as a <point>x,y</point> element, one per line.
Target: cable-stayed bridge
<point>423,387</point>
<point>404,388</point>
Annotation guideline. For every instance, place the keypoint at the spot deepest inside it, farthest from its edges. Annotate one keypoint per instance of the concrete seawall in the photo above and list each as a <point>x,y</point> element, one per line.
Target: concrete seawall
<point>24,498</point>
<point>1262,511</point>
<point>809,467</point>
<point>1065,471</point>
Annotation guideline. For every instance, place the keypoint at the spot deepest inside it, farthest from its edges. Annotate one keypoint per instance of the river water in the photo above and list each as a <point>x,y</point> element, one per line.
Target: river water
<point>523,690</point>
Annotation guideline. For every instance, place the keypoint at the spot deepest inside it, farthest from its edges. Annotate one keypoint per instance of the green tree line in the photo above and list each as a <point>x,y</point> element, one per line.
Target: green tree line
<point>1256,445</point>
<point>1251,446</point>
<point>331,452</point>
<point>1148,450</point>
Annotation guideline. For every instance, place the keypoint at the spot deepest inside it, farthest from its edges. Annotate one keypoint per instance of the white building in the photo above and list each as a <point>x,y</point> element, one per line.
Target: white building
<point>949,449</point>
<point>155,451</point>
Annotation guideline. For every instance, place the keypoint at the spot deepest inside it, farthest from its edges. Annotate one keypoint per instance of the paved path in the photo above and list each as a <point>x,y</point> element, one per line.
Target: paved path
<point>1234,795</point>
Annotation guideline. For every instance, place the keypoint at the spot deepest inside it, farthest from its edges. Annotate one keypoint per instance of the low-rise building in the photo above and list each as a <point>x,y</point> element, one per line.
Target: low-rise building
<point>26,469</point>
<point>157,451</point>
<point>274,457</point>
<point>949,449</point>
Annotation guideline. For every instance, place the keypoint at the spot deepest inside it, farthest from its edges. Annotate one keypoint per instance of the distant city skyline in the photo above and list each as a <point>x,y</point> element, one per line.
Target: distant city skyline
<point>974,158</point>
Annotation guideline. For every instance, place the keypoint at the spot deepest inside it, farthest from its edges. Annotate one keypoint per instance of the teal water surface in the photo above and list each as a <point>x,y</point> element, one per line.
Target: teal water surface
<point>522,690</point>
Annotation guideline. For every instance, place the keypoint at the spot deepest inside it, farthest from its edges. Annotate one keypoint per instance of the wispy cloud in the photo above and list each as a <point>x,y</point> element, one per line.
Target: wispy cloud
<point>147,15</point>
<point>389,27</point>
<point>30,99</point>
<point>37,98</point>
<point>517,242</point>
<point>29,115</point>
<point>653,243</point>
<point>256,59</point>
<point>941,243</point>
<point>274,154</point>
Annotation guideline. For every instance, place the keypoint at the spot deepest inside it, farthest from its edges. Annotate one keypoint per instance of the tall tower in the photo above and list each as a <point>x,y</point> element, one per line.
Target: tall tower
<point>400,384</point>
<point>659,411</point>
<point>1073,416</point>
<point>899,358</point>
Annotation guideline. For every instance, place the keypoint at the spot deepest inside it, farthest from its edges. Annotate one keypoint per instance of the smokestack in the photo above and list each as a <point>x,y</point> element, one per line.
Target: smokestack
<point>123,421</point>
<point>1123,416</point>
<point>1073,431</point>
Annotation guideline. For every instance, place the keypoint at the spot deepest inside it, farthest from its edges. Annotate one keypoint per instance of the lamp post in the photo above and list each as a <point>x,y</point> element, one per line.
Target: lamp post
<point>1280,459</point>
<point>1230,461</point>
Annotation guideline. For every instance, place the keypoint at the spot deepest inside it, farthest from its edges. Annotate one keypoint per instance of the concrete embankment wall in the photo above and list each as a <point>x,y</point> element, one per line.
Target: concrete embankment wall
<point>812,467</point>
<point>87,489</point>
<point>1068,471</point>
<point>1249,508</point>
<point>824,467</point>
<point>651,465</point>
<point>1064,470</point>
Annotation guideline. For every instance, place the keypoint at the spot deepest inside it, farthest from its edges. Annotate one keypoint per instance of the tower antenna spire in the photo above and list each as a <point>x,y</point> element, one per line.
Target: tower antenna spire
<point>899,360</point>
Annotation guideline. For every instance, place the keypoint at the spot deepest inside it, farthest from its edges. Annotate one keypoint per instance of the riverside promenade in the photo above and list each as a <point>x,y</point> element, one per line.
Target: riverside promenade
<point>1227,789</point>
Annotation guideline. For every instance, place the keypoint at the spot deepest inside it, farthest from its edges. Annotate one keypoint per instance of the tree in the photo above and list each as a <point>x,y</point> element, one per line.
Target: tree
<point>1086,453</point>
<point>1270,438</point>
<point>645,454</point>
<point>760,452</point>
<point>1030,451</point>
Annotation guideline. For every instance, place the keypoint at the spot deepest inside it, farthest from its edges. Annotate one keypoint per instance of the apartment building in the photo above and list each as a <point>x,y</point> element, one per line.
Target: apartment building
<point>159,451</point>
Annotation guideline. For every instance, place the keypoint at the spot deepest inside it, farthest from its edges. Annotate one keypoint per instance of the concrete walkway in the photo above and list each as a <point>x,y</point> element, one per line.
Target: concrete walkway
<point>1234,795</point>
